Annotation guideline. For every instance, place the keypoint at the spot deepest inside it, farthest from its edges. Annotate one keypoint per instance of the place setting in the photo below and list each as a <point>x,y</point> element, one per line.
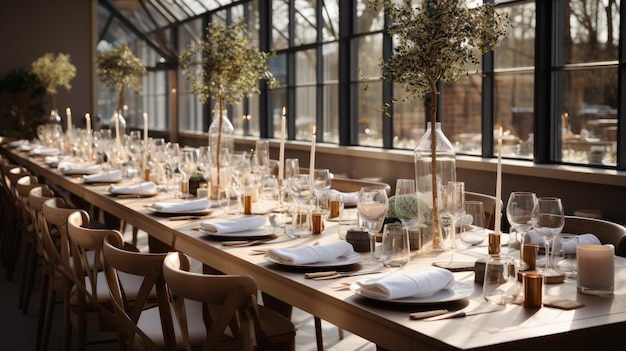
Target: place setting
<point>183,209</point>
<point>141,189</point>
<point>244,230</point>
<point>110,176</point>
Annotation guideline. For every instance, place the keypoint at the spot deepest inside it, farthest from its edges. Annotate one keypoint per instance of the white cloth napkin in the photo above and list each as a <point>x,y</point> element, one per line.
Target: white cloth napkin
<point>45,151</point>
<point>349,199</point>
<point>417,284</point>
<point>233,225</point>
<point>68,168</point>
<point>533,238</point>
<point>143,188</point>
<point>311,253</point>
<point>193,205</point>
<point>109,176</point>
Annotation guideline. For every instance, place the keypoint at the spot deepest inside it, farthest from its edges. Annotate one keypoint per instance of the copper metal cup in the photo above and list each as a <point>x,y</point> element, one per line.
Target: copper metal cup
<point>533,289</point>
<point>494,244</point>
<point>247,204</point>
<point>316,219</point>
<point>334,209</point>
<point>529,257</point>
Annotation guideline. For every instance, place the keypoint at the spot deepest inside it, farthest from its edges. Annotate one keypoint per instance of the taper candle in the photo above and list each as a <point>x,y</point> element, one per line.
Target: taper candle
<point>312,158</point>
<point>145,131</point>
<point>281,153</point>
<point>68,113</point>
<point>89,136</point>
<point>118,142</point>
<point>499,186</point>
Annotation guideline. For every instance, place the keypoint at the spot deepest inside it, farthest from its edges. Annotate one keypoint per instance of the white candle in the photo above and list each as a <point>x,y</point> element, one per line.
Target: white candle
<point>498,186</point>
<point>312,158</point>
<point>68,113</point>
<point>145,131</point>
<point>89,140</point>
<point>281,153</point>
<point>118,142</point>
<point>596,268</point>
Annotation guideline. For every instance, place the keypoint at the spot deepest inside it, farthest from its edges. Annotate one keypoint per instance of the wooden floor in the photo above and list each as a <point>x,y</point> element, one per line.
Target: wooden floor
<point>18,331</point>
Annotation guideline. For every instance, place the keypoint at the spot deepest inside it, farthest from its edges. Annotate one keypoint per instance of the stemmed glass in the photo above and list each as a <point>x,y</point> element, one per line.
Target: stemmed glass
<point>453,209</point>
<point>239,170</point>
<point>172,158</point>
<point>519,211</point>
<point>548,220</point>
<point>372,206</point>
<point>134,148</point>
<point>263,157</point>
<point>292,169</point>
<point>187,166</point>
<point>406,202</point>
<point>301,190</point>
<point>321,185</point>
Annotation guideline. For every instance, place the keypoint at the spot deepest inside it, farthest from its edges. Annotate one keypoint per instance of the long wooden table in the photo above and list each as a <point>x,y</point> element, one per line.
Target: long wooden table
<point>600,322</point>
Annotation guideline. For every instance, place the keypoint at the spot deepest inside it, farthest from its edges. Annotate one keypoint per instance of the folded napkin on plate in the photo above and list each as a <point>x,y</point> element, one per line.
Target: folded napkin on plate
<point>397,286</point>
<point>109,176</point>
<point>142,188</point>
<point>346,198</point>
<point>68,168</point>
<point>311,253</point>
<point>233,225</point>
<point>193,205</point>
<point>45,151</point>
<point>533,238</point>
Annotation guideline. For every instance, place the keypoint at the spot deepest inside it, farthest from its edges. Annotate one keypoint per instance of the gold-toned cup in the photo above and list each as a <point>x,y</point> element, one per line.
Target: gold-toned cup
<point>533,289</point>
<point>247,204</point>
<point>316,219</point>
<point>494,244</point>
<point>529,257</point>
<point>334,209</point>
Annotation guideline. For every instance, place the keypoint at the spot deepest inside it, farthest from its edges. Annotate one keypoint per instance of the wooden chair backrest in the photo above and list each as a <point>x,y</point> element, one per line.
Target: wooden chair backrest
<point>150,267</point>
<point>236,297</point>
<point>353,185</point>
<point>608,232</point>
<point>489,204</point>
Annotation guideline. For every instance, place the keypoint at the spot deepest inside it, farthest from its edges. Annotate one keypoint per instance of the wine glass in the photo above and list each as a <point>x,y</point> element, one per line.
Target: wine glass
<point>134,147</point>
<point>519,211</point>
<point>406,202</point>
<point>301,189</point>
<point>473,231</point>
<point>453,197</point>
<point>321,185</point>
<point>548,220</point>
<point>372,206</point>
<point>187,166</point>
<point>292,168</point>
<point>172,158</point>
<point>263,156</point>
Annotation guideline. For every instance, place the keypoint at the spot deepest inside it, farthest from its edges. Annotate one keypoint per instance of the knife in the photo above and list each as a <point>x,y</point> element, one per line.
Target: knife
<point>459,314</point>
<point>335,274</point>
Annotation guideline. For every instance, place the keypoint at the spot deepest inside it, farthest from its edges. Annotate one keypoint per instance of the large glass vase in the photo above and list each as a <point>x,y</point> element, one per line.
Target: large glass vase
<point>221,144</point>
<point>435,166</point>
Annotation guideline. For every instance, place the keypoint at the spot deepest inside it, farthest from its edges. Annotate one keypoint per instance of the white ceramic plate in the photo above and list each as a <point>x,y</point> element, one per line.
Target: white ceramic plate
<point>256,232</point>
<point>342,261</point>
<point>192,212</point>
<point>146,194</point>
<point>458,291</point>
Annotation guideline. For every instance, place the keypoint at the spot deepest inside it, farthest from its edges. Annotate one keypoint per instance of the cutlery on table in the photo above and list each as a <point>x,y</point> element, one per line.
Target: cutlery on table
<point>426,314</point>
<point>336,274</point>
<point>459,314</point>
<point>245,242</point>
<point>182,218</point>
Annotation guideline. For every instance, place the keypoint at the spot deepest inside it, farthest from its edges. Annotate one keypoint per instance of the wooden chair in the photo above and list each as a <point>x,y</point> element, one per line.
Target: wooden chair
<point>228,301</point>
<point>57,264</point>
<point>352,185</point>
<point>608,232</point>
<point>36,198</point>
<point>28,247</point>
<point>90,300</point>
<point>13,230</point>
<point>489,203</point>
<point>143,321</point>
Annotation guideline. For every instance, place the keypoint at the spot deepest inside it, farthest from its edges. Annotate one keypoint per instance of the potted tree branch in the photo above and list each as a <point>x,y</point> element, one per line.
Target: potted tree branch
<point>54,71</point>
<point>436,40</point>
<point>224,67</point>
<point>118,69</point>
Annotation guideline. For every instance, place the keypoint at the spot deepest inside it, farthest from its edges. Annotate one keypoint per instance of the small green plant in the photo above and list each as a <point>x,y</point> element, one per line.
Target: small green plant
<point>120,68</point>
<point>54,71</point>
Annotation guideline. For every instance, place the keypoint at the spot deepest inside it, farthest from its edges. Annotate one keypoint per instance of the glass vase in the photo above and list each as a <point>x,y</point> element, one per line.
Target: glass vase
<point>435,165</point>
<point>221,142</point>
